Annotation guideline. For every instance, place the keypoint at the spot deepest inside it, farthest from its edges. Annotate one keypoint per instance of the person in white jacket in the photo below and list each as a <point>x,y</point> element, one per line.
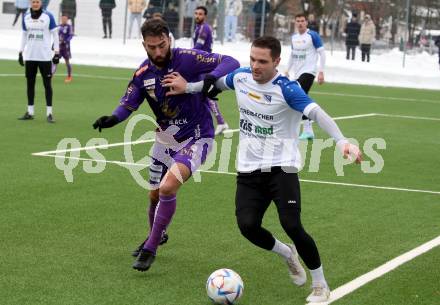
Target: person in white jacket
<point>366,37</point>
<point>40,34</point>
<point>232,11</point>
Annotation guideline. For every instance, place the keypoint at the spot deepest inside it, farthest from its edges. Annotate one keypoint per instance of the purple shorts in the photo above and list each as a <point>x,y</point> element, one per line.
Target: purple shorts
<point>191,153</point>
<point>65,51</point>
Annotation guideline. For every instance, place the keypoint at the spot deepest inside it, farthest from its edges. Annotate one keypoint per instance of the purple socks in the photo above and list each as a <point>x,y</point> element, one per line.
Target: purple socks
<point>152,213</point>
<point>165,212</point>
<point>214,108</point>
<point>69,69</point>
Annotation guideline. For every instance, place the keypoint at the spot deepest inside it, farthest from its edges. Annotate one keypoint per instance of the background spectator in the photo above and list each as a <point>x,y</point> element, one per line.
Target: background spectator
<point>352,31</point>
<point>313,23</point>
<point>258,12</point>
<point>232,11</point>
<point>212,7</point>
<point>136,8</point>
<point>68,8</point>
<point>106,7</point>
<point>21,6</point>
<point>366,37</point>
<point>45,4</point>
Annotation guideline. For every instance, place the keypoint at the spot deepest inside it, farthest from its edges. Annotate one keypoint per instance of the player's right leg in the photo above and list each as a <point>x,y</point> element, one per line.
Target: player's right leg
<point>285,189</point>
<point>174,178</point>
<point>306,81</point>
<point>31,69</point>
<point>157,171</point>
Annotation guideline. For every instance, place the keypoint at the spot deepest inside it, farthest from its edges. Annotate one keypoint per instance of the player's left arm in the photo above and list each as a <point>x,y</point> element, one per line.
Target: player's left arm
<point>297,99</point>
<point>317,43</point>
<point>53,28</point>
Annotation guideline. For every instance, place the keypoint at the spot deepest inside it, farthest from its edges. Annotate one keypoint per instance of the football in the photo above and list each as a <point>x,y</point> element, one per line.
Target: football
<point>224,286</point>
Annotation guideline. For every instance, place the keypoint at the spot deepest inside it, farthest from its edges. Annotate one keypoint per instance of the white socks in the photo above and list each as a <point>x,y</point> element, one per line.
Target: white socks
<point>318,276</point>
<point>282,249</point>
<point>308,126</point>
<point>30,109</point>
<point>48,110</point>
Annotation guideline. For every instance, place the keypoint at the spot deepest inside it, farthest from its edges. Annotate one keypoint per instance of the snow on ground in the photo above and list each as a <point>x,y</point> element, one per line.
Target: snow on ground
<point>421,70</point>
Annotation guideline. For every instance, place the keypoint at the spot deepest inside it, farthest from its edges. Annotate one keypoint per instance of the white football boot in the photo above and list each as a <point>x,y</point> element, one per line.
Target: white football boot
<point>296,270</point>
<point>320,293</point>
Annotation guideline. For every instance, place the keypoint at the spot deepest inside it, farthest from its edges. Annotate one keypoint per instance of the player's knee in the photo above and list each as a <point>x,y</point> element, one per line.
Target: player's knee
<point>168,188</point>
<point>248,224</point>
<point>154,196</point>
<point>292,227</point>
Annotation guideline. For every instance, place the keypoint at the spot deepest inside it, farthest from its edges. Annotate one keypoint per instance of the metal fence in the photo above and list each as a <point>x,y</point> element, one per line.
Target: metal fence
<point>87,19</point>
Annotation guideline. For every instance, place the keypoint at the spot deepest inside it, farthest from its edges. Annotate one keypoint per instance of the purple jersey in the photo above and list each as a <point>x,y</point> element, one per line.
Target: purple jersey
<point>202,38</point>
<point>65,33</point>
<point>189,112</point>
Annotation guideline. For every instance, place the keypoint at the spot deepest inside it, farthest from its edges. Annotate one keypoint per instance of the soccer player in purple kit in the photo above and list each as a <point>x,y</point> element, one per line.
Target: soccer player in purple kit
<point>202,40</point>
<point>187,118</point>
<point>65,33</point>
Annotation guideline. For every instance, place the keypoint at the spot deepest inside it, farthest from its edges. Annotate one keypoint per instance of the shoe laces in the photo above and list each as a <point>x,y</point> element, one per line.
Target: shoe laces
<point>293,265</point>
<point>318,289</point>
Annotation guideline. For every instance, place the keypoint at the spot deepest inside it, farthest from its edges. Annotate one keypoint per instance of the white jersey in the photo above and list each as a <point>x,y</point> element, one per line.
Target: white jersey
<point>270,116</point>
<point>304,53</point>
<point>39,36</point>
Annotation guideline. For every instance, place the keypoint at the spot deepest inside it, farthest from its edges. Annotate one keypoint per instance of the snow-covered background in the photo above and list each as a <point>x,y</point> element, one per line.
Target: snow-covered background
<point>421,70</point>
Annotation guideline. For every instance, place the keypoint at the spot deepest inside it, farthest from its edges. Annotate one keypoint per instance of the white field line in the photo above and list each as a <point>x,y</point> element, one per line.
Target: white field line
<point>74,75</point>
<point>376,97</point>
<point>317,93</point>
<point>143,165</point>
<point>389,188</point>
<point>360,281</point>
<point>120,163</point>
<point>408,117</point>
<point>42,153</point>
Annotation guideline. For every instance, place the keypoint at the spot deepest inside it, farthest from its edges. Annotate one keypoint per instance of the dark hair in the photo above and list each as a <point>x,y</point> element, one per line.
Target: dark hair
<point>203,8</point>
<point>301,15</point>
<point>155,27</point>
<point>269,42</point>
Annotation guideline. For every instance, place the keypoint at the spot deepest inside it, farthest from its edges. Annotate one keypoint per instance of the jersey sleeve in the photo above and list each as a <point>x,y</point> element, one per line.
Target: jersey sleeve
<point>134,95</point>
<point>52,23</point>
<point>296,98</point>
<point>23,24</point>
<point>197,62</point>
<point>316,39</point>
<point>229,81</point>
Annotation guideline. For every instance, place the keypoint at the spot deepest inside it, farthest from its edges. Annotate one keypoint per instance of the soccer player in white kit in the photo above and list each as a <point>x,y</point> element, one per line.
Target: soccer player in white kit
<point>306,48</point>
<point>40,33</point>
<point>271,107</point>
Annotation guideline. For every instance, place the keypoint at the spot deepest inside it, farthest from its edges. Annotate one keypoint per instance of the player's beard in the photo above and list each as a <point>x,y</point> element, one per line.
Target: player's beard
<point>161,62</point>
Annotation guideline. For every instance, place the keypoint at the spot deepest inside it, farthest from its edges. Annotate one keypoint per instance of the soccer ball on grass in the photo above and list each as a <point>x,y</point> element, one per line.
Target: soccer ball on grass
<point>224,286</point>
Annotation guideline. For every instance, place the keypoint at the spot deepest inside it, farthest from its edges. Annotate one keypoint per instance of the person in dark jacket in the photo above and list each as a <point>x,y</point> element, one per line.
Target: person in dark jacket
<point>68,8</point>
<point>352,31</point>
<point>106,7</point>
<point>258,12</point>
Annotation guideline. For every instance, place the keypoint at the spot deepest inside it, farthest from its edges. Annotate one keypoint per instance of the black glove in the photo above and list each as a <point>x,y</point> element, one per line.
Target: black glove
<point>212,94</point>
<point>208,84</point>
<point>20,59</point>
<point>56,59</point>
<point>105,122</point>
